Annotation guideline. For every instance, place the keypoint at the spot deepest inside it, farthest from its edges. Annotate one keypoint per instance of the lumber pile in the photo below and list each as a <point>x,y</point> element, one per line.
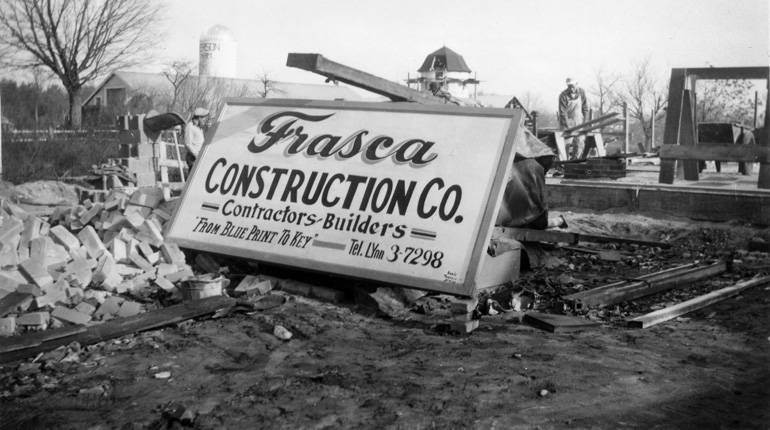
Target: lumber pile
<point>110,175</point>
<point>85,263</point>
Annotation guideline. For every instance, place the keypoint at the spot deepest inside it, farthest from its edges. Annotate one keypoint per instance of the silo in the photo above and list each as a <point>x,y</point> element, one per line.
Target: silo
<point>218,52</point>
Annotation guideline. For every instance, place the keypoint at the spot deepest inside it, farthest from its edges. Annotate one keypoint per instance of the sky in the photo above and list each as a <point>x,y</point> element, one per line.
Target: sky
<point>514,47</point>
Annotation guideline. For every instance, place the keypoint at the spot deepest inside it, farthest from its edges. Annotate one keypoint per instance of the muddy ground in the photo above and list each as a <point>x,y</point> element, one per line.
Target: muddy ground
<point>350,366</point>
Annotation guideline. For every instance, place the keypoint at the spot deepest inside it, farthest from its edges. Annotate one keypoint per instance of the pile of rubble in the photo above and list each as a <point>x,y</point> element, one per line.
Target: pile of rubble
<point>78,266</point>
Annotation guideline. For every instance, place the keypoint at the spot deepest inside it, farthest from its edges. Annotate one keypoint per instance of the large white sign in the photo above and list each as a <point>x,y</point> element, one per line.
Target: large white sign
<point>398,193</point>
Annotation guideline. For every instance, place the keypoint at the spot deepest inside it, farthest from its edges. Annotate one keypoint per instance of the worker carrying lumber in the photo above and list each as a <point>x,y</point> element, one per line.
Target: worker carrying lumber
<point>193,135</point>
<point>573,109</point>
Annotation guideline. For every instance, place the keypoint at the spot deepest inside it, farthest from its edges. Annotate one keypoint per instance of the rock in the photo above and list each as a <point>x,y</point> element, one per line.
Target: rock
<point>543,393</point>
<point>281,333</point>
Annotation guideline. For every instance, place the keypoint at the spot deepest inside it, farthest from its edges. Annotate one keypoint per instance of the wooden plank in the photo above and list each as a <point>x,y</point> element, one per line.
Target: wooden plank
<point>709,152</point>
<point>316,63</point>
<point>730,72</point>
<point>687,134</point>
<point>558,323</point>
<point>33,339</point>
<point>13,300</point>
<point>589,123</point>
<point>644,285</point>
<point>531,235</point>
<point>673,119</point>
<point>688,306</point>
<point>763,179</point>
<point>123,326</point>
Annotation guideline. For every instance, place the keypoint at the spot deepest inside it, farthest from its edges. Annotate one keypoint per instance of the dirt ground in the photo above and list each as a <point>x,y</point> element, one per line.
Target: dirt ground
<point>349,366</point>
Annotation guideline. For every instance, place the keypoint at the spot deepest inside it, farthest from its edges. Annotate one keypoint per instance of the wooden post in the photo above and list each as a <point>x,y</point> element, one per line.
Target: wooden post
<point>763,182</point>
<point>1,140</point>
<point>625,127</point>
<point>652,129</point>
<point>756,107</point>
<point>673,119</point>
<point>688,135</point>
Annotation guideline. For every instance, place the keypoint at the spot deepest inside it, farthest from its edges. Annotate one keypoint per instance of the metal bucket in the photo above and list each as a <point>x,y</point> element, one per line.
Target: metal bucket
<point>200,287</point>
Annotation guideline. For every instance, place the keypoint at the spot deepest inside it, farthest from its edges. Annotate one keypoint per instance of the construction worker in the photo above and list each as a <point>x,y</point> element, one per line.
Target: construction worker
<point>573,109</point>
<point>436,90</point>
<point>193,135</point>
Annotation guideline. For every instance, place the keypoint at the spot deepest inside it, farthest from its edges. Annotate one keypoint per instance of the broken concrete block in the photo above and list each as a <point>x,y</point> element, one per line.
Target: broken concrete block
<point>140,262</point>
<point>58,291</point>
<point>70,316</point>
<point>464,306</point>
<point>164,283</point>
<point>180,275</point>
<point>85,308</point>
<point>11,227</point>
<point>30,289</point>
<point>129,309</point>
<point>39,303</point>
<point>148,197</point>
<point>8,251</point>
<point>91,242</point>
<point>78,273</point>
<point>95,295</point>
<point>152,230</point>
<point>172,254</point>
<point>104,268</point>
<point>74,292</point>
<point>39,319</point>
<point>31,230</point>
<point>34,271</point>
<point>7,326</point>
<point>247,286</point>
<point>166,269</point>
<point>91,213</point>
<point>111,282</point>
<point>135,219</point>
<point>39,250</point>
<point>464,327</point>
<point>145,249</point>
<point>110,306</point>
<point>63,237</point>
<point>119,250</point>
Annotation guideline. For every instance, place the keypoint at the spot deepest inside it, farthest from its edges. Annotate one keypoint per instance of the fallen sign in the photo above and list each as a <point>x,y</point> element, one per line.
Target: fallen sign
<point>644,285</point>
<point>375,191</point>
<point>672,312</point>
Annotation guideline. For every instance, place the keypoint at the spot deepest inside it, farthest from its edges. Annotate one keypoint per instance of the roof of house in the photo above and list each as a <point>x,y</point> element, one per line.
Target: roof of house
<point>446,59</point>
<point>288,90</point>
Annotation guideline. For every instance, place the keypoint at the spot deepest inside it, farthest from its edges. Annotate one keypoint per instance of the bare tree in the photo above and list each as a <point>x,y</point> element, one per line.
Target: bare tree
<point>646,95</point>
<point>268,85</point>
<point>726,100</point>
<point>178,73</point>
<point>78,40</point>
<point>606,91</point>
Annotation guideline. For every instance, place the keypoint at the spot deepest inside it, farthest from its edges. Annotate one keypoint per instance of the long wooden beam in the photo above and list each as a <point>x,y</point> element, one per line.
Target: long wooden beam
<point>29,345</point>
<point>672,312</point>
<point>644,285</point>
<point>550,236</point>
<point>587,123</point>
<point>729,72</point>
<point>709,152</point>
<point>316,63</point>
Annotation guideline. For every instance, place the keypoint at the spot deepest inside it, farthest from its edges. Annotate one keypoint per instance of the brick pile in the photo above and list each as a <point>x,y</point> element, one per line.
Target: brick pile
<point>596,168</point>
<point>85,262</point>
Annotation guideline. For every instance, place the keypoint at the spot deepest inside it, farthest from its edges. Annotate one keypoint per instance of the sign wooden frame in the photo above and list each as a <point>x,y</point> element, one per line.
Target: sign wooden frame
<point>244,120</point>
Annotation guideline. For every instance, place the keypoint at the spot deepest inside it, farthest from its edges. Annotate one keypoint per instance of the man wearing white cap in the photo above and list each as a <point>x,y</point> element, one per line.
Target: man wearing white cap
<point>573,109</point>
<point>193,135</point>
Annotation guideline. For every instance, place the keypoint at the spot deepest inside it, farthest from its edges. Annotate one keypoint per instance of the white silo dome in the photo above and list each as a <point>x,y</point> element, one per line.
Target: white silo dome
<point>218,52</point>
